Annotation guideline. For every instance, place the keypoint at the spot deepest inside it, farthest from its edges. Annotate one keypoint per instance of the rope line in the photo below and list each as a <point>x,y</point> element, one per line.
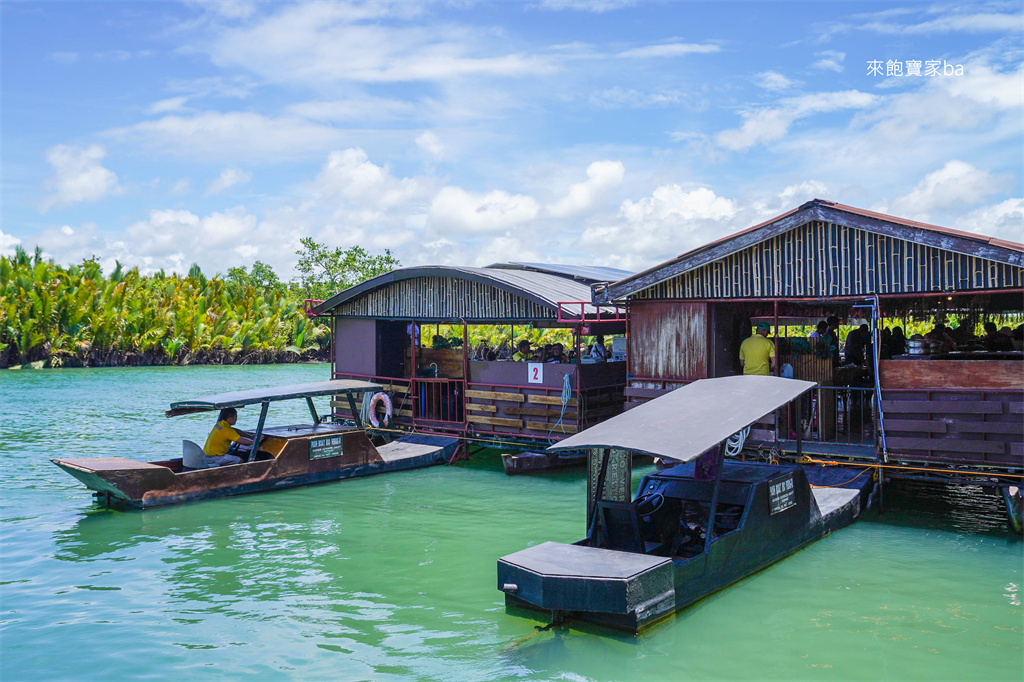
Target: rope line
<point>808,460</point>
<point>804,459</point>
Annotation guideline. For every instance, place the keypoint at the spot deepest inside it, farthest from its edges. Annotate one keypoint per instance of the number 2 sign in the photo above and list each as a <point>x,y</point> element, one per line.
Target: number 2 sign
<point>536,372</point>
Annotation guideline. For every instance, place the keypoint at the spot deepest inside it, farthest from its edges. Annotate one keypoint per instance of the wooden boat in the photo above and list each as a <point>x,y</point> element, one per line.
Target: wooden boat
<point>288,456</point>
<point>531,462</point>
<point>644,559</point>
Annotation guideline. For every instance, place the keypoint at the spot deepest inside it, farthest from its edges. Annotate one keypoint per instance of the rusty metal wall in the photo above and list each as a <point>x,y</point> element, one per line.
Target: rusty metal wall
<point>668,340</point>
<point>827,259</point>
<point>444,298</point>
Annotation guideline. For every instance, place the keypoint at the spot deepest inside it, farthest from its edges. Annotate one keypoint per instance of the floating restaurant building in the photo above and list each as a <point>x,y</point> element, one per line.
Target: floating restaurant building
<point>377,326</point>
<point>934,412</point>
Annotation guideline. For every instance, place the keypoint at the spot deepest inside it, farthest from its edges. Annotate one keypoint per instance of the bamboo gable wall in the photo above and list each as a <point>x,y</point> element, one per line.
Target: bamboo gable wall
<point>444,298</point>
<point>824,259</point>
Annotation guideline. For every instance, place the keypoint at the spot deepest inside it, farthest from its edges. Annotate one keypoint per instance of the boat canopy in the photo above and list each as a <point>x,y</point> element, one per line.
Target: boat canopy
<point>688,421</point>
<point>268,395</point>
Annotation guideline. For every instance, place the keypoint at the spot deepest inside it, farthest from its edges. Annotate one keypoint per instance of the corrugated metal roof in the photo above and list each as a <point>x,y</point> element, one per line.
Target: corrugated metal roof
<point>588,273</point>
<point>816,209</point>
<point>540,287</point>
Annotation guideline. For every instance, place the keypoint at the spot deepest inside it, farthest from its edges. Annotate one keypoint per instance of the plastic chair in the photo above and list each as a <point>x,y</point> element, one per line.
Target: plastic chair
<point>192,456</point>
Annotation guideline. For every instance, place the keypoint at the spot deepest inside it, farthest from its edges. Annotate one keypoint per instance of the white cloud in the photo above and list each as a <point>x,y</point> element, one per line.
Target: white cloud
<point>355,108</point>
<point>772,80</point>
<point>320,43</point>
<point>350,176</point>
<point>1004,220</point>
<point>229,177</point>
<point>955,22</point>
<point>602,176</point>
<point>668,50</point>
<point>431,143</point>
<point>596,6</point>
<point>182,187</point>
<point>78,176</point>
<point>830,60</point>
<point>167,105</point>
<point>7,244</point>
<point>64,57</point>
<point>168,232</point>
<point>454,210</point>
<point>671,204</point>
<point>614,98</point>
<point>766,125</point>
<point>236,135</point>
<point>956,184</point>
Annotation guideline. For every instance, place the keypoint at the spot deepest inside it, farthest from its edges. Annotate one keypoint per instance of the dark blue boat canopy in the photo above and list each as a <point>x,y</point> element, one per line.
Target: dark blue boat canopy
<point>256,396</point>
<point>688,421</point>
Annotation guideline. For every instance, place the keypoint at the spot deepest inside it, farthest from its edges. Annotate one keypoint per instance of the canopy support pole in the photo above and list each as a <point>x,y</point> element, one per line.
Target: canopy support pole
<point>312,410</point>
<point>719,461</point>
<point>355,412</point>
<point>256,437</point>
<point>606,454</point>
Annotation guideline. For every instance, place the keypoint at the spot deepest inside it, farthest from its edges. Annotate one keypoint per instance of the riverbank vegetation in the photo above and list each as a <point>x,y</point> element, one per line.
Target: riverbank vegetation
<point>75,316</point>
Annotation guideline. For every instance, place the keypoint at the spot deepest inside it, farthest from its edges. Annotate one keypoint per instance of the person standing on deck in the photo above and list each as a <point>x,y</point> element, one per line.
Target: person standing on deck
<point>757,353</point>
<point>224,441</point>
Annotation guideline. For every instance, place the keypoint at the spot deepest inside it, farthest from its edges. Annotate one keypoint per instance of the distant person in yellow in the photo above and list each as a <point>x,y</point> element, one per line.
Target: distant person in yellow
<point>757,353</point>
<point>524,354</point>
<point>223,442</point>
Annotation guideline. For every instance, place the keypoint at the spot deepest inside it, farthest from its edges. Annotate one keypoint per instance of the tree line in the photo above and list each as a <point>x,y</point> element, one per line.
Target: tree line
<point>76,316</point>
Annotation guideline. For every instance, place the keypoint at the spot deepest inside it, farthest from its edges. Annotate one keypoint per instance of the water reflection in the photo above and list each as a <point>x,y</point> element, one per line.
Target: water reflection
<point>945,507</point>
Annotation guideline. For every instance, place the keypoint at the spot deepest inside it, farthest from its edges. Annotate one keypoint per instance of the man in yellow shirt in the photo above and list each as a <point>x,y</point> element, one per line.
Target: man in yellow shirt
<point>523,354</point>
<point>757,353</point>
<point>224,441</point>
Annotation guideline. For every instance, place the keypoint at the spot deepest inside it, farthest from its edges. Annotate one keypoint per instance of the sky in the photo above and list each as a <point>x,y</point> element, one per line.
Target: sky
<point>601,132</point>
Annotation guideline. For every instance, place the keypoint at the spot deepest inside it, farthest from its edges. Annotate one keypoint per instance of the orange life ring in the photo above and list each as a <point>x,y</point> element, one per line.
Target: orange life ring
<point>379,398</point>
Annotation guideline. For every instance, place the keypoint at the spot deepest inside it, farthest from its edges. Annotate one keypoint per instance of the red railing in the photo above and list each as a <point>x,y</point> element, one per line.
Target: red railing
<point>308,306</point>
<point>563,316</point>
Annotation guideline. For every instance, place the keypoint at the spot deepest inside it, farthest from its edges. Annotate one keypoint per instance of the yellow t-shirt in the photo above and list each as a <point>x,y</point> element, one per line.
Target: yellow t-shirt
<point>755,354</point>
<point>518,356</point>
<point>220,439</point>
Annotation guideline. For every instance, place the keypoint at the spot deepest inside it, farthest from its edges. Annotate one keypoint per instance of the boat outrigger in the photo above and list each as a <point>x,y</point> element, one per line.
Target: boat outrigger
<point>644,559</point>
<point>287,456</point>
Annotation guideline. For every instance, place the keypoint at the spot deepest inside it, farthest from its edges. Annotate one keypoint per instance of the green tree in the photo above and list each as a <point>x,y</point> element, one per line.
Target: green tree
<point>262,277</point>
<point>324,272</point>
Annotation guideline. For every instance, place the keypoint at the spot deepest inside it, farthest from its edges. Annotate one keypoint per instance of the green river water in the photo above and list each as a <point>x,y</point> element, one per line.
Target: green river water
<point>392,577</point>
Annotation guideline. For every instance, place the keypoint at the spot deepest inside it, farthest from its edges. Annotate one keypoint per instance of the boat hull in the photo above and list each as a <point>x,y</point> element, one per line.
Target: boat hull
<point>122,483</point>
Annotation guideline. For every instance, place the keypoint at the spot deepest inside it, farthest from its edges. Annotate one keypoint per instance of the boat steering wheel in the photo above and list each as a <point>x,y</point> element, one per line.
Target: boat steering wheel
<point>648,504</point>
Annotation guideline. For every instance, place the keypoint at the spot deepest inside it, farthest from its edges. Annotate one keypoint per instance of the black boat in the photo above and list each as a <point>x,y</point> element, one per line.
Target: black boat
<point>646,558</point>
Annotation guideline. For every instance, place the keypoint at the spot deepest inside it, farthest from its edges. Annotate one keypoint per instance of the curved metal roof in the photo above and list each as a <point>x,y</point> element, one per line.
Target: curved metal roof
<point>543,288</point>
<point>588,273</point>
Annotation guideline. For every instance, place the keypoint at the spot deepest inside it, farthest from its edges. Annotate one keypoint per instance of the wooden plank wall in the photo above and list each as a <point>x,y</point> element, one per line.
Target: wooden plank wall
<point>927,373</point>
<point>956,427</point>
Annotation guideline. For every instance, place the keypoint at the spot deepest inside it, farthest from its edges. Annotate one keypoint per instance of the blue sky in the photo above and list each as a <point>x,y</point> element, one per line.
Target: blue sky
<point>609,132</point>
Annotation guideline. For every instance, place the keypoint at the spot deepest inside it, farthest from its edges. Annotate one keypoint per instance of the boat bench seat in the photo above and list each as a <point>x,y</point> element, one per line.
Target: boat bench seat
<point>193,457</point>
